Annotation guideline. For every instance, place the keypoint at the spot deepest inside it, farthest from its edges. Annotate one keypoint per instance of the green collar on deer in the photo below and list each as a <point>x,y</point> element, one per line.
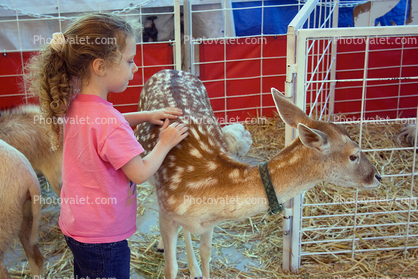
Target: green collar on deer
<point>275,206</point>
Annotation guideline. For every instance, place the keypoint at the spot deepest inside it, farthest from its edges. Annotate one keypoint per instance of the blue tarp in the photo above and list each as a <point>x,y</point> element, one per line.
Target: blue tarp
<point>276,19</point>
<point>396,15</point>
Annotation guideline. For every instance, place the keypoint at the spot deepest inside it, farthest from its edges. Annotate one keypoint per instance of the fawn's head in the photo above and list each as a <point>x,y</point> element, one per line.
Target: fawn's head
<point>337,158</point>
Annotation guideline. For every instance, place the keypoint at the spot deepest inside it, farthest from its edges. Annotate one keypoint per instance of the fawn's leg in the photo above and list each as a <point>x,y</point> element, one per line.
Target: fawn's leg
<point>160,245</point>
<point>191,257</point>
<point>169,234</point>
<point>205,251</point>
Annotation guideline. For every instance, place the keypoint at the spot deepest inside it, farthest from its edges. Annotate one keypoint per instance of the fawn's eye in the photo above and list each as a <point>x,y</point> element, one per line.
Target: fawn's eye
<point>353,158</point>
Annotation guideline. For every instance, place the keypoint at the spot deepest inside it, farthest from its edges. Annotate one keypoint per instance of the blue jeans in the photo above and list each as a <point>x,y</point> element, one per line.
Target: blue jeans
<point>103,260</point>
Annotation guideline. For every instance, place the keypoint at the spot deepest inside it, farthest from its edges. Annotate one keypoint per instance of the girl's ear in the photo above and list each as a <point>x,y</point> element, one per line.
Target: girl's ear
<point>99,66</point>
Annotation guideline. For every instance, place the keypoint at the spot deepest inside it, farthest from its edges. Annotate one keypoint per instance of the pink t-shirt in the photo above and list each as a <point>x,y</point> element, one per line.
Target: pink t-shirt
<point>98,201</point>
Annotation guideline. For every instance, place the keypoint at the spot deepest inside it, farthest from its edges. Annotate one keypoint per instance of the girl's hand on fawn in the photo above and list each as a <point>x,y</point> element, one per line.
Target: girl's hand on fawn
<point>158,116</point>
<point>171,135</point>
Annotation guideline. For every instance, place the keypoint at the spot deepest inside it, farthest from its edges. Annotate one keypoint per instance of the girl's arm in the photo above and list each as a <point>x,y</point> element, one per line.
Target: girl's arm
<point>156,117</point>
<point>139,170</point>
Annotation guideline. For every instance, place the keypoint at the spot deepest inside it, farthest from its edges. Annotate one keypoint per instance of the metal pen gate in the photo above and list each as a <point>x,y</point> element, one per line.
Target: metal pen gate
<point>310,16</point>
<point>311,81</point>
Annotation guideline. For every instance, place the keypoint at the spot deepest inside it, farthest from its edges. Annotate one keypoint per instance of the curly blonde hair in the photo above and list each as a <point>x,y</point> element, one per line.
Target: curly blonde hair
<point>55,75</point>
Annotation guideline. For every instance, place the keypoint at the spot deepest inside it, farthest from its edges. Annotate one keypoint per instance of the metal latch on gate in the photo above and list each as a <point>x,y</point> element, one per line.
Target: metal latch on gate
<point>288,212</point>
<point>291,69</point>
<point>290,79</point>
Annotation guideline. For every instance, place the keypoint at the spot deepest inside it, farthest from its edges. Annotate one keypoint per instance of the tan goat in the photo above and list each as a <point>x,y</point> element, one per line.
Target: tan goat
<point>199,170</point>
<point>24,129</point>
<point>20,207</point>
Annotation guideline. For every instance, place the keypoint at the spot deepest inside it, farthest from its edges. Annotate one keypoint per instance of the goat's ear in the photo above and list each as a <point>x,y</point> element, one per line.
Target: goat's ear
<point>312,138</point>
<point>289,112</point>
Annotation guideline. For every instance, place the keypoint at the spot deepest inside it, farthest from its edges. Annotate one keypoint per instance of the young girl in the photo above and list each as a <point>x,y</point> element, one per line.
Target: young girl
<point>101,154</point>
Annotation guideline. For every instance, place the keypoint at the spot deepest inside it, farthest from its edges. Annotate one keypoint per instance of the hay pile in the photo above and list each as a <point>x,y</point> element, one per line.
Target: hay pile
<point>260,238</point>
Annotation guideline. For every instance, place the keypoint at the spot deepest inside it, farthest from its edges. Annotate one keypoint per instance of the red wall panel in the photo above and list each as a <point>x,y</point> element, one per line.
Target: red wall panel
<point>387,60</point>
<point>251,71</point>
<point>246,85</point>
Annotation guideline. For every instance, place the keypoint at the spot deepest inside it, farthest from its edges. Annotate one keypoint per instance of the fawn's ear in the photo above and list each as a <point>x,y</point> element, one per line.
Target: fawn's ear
<point>289,112</point>
<point>312,138</point>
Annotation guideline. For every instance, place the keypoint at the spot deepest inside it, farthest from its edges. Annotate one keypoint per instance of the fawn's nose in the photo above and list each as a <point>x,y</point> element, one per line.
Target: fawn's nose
<point>378,177</point>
